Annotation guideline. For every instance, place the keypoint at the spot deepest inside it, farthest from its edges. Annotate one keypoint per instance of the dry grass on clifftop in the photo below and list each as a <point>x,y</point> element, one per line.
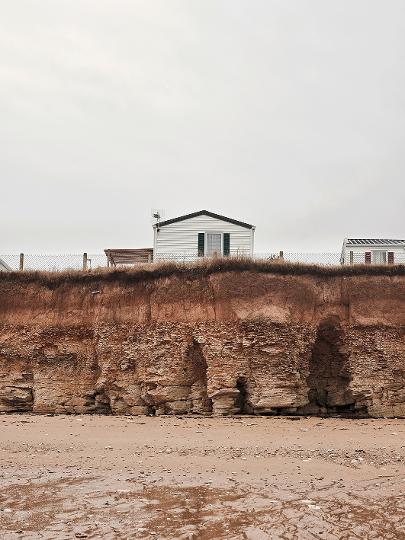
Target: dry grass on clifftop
<point>198,269</point>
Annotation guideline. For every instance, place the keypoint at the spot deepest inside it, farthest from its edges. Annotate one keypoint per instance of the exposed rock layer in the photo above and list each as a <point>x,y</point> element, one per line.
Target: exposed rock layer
<point>223,343</point>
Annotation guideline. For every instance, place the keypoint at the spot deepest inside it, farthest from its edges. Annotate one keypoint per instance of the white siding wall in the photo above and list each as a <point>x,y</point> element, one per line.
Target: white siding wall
<point>181,237</point>
<point>359,251</point>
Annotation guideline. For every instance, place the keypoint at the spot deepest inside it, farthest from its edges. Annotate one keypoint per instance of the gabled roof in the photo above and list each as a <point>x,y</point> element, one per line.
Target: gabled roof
<point>373,242</point>
<point>205,213</point>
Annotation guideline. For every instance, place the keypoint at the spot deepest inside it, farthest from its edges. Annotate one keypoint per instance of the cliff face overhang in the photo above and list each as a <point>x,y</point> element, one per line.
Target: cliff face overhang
<point>214,342</point>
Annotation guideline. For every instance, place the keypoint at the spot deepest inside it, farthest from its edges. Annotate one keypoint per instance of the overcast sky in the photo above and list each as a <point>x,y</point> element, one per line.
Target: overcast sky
<point>288,114</point>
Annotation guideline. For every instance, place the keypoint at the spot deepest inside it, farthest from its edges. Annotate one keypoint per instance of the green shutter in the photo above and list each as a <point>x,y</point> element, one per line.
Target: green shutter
<point>201,237</point>
<point>227,244</point>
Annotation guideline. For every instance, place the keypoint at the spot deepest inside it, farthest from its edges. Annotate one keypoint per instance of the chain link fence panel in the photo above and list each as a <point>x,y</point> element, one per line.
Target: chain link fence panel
<point>66,262</point>
<point>53,263</point>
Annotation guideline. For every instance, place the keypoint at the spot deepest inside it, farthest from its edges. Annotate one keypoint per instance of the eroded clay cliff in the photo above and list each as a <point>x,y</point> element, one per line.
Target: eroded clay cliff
<point>222,343</point>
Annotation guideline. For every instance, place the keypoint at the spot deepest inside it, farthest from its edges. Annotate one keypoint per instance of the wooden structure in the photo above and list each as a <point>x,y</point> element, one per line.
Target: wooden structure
<point>128,256</point>
<point>4,267</point>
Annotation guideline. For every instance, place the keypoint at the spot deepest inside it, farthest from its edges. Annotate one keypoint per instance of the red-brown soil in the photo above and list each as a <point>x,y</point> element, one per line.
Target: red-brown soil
<point>261,340</point>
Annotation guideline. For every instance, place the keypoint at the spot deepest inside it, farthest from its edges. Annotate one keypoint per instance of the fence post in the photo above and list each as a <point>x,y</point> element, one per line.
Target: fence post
<point>84,261</point>
<point>21,262</point>
<point>281,255</point>
<point>351,257</point>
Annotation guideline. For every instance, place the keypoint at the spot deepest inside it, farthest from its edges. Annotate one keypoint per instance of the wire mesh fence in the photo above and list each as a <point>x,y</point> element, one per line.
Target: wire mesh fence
<point>52,263</point>
<point>66,262</point>
<point>303,258</point>
<point>328,259</point>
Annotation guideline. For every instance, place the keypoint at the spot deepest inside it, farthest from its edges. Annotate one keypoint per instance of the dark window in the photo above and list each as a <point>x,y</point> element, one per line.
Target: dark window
<point>227,244</point>
<point>201,237</point>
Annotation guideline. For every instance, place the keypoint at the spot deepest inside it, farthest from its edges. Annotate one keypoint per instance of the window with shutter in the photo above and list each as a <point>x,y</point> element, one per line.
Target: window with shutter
<point>390,257</point>
<point>367,257</point>
<point>201,238</point>
<point>227,244</point>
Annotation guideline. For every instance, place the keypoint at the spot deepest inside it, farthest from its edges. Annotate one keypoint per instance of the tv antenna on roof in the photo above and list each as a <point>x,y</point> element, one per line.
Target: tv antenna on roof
<point>157,214</point>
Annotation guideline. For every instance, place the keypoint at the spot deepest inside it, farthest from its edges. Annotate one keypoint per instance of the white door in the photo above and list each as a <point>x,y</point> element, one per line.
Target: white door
<point>214,244</point>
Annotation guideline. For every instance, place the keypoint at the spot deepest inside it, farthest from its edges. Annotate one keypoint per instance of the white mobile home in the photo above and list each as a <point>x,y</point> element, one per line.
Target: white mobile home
<point>373,251</point>
<point>201,234</point>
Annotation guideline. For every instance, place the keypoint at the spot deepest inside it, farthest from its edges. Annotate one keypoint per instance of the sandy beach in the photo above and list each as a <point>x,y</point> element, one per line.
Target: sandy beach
<point>201,478</point>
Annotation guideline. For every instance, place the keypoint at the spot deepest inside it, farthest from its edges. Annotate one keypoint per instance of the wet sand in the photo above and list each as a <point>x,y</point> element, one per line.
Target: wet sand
<point>201,478</point>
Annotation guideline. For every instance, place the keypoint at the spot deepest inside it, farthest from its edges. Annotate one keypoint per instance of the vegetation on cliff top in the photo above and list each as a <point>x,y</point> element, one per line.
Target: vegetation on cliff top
<point>202,268</point>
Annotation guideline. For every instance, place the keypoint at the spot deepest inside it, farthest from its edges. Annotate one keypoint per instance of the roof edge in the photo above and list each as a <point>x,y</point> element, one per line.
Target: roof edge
<point>374,242</point>
<point>205,213</point>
